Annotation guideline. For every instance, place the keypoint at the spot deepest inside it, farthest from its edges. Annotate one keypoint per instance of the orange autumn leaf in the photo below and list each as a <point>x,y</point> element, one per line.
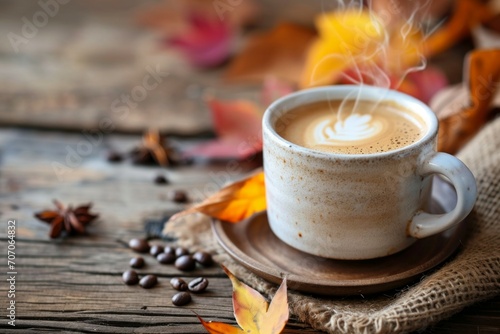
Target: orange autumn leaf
<point>458,128</point>
<point>279,53</point>
<point>466,15</point>
<point>219,327</point>
<point>234,202</point>
<point>252,312</point>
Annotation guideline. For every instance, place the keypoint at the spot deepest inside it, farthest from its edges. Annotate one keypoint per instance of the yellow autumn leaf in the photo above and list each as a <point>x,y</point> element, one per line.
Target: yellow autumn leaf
<point>252,312</point>
<point>234,202</point>
<point>345,37</point>
<point>359,39</point>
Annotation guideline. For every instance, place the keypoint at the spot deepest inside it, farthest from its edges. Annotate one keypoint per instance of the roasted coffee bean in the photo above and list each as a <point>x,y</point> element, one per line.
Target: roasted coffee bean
<point>139,245</point>
<point>203,258</point>
<point>185,263</point>
<point>165,258</point>
<point>148,281</point>
<point>181,298</point>
<point>114,156</point>
<point>160,179</point>
<point>178,284</point>
<point>130,277</point>
<point>137,262</point>
<point>179,251</point>
<point>155,250</point>
<point>198,285</point>
<point>169,250</point>
<point>179,196</point>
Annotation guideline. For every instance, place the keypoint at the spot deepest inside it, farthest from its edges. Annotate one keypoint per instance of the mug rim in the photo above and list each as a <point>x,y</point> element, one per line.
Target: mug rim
<point>318,94</point>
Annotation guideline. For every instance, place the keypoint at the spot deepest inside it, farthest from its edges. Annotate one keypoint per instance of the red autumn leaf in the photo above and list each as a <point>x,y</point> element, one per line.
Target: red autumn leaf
<point>171,16</point>
<point>427,82</point>
<point>206,43</point>
<point>420,84</point>
<point>238,127</point>
<point>202,30</point>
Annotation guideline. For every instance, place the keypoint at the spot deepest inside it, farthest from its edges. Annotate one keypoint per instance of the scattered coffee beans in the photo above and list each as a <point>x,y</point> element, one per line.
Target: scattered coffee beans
<point>130,277</point>
<point>198,285</point>
<point>203,258</point>
<point>185,263</point>
<point>155,250</point>
<point>139,245</point>
<point>178,284</point>
<point>148,281</point>
<point>179,196</point>
<point>137,262</point>
<point>181,298</point>
<point>179,251</point>
<point>165,258</point>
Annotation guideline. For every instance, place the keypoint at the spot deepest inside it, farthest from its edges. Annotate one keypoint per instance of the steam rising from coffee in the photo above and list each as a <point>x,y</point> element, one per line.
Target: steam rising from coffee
<point>382,55</point>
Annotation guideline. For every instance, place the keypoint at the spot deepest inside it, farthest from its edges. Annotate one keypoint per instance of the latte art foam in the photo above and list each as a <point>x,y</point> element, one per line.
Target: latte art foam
<point>364,128</point>
<point>355,127</point>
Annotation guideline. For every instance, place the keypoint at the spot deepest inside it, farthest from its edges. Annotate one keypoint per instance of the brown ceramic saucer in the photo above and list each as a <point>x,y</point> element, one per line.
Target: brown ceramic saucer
<point>253,244</point>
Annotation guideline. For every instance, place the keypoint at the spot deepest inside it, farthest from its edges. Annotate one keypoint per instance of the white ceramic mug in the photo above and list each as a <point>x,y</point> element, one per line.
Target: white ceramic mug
<point>362,206</point>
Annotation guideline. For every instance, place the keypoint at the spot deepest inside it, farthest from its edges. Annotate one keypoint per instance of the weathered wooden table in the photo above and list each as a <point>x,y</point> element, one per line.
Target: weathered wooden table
<point>74,284</point>
<point>66,78</point>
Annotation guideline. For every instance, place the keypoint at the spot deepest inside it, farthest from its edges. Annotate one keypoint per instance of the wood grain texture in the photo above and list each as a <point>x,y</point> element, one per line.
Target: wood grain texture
<point>60,80</point>
<point>73,285</point>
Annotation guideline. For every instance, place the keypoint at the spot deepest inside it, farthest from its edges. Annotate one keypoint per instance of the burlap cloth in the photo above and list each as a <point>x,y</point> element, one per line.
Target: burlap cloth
<point>471,276</point>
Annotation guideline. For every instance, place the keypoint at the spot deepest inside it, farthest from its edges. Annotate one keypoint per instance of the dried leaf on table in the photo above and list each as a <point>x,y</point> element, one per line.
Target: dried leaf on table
<point>280,53</point>
<point>357,47</point>
<point>238,127</point>
<point>171,17</point>
<point>73,221</point>
<point>206,43</point>
<point>483,81</point>
<point>219,327</point>
<point>252,312</point>
<point>203,31</point>
<point>233,202</point>
<point>466,15</point>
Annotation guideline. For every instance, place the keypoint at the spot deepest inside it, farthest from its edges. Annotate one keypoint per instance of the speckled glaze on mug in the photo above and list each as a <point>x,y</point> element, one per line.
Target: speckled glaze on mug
<point>356,206</point>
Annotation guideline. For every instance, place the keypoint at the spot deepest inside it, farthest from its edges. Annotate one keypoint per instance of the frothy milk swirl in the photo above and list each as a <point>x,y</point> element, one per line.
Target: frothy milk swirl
<point>341,132</point>
<point>361,127</point>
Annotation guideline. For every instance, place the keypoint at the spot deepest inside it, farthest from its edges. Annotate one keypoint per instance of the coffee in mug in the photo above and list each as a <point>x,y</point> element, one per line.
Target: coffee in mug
<point>348,172</point>
<point>352,127</point>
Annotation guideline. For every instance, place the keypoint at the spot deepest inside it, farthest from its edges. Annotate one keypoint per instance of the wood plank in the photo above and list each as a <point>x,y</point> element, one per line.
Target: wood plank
<point>74,284</point>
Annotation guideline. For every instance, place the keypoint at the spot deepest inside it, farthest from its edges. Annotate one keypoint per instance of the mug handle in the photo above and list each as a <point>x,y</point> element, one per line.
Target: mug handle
<point>425,224</point>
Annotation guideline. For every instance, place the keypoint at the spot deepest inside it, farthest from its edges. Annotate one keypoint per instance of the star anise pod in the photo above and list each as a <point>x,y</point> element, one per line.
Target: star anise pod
<point>73,221</point>
<point>154,150</point>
